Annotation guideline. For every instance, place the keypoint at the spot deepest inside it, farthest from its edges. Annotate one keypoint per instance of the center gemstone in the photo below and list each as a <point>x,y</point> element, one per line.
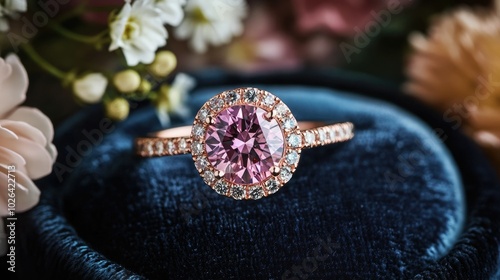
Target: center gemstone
<point>243,144</point>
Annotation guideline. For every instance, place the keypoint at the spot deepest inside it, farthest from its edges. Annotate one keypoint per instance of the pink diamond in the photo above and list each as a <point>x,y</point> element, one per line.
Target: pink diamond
<point>243,144</point>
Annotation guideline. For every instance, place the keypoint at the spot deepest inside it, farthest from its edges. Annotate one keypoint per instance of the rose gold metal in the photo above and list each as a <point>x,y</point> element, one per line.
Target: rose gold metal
<point>275,170</point>
<point>147,146</point>
<point>219,174</point>
<point>191,139</point>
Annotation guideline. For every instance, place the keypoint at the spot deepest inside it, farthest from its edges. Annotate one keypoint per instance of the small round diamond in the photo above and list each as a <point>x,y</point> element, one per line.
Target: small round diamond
<point>295,140</point>
<point>310,138</point>
<point>216,103</point>
<point>272,186</point>
<point>203,114</point>
<point>149,148</point>
<point>280,110</point>
<point>198,130</point>
<point>286,174</point>
<point>292,157</point>
<point>197,148</point>
<point>232,97</point>
<point>170,147</point>
<point>209,176</point>
<point>237,192</point>
<point>322,135</point>
<point>182,144</point>
<point>250,95</point>
<point>289,123</point>
<point>159,147</point>
<point>269,99</point>
<point>221,187</point>
<point>342,133</point>
<point>256,192</point>
<point>201,164</point>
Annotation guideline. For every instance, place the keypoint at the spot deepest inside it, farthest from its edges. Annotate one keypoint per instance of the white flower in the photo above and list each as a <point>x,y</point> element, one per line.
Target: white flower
<point>10,8</point>
<point>138,30</point>
<point>25,142</point>
<point>171,11</point>
<point>172,99</point>
<point>91,87</point>
<point>213,22</point>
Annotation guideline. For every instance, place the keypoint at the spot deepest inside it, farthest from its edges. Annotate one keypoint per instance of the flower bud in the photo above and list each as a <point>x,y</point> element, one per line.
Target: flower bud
<point>117,109</point>
<point>127,81</point>
<point>90,88</point>
<point>164,63</point>
<point>145,86</point>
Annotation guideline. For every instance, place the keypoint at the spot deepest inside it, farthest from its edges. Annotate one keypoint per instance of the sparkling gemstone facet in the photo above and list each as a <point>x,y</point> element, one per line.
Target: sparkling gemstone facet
<point>295,140</point>
<point>216,103</point>
<point>272,186</point>
<point>197,148</point>
<point>209,176</point>
<point>198,130</point>
<point>256,192</point>
<point>201,164</point>
<point>250,95</point>
<point>203,114</point>
<point>244,144</point>
<point>286,174</point>
<point>232,96</point>
<point>289,123</point>
<point>269,100</point>
<point>280,110</point>
<point>221,187</point>
<point>292,157</point>
<point>310,138</point>
<point>238,192</point>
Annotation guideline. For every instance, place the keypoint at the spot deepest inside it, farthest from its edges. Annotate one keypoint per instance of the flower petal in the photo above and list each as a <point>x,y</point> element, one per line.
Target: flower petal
<point>485,119</point>
<point>27,194</point>
<point>38,160</point>
<point>24,130</point>
<point>8,156</point>
<point>7,133</point>
<point>35,118</point>
<point>14,86</point>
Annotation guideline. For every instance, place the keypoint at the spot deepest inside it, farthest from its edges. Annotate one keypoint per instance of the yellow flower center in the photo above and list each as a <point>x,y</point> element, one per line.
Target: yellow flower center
<point>132,29</point>
<point>198,15</point>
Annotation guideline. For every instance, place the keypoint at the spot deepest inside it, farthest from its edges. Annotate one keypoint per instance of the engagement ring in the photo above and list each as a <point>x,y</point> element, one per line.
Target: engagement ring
<point>245,142</point>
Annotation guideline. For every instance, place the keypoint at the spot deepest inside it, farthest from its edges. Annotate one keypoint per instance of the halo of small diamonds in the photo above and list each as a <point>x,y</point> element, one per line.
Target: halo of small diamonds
<point>275,110</point>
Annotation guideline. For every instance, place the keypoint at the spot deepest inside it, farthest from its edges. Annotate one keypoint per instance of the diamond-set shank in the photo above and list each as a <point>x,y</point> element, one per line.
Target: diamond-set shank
<point>245,143</point>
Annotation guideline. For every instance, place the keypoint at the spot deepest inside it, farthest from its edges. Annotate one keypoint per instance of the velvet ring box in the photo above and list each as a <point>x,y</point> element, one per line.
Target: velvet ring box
<point>408,197</point>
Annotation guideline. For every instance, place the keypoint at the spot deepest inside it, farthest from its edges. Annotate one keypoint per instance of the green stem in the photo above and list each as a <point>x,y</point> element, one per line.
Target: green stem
<point>78,37</point>
<point>51,69</point>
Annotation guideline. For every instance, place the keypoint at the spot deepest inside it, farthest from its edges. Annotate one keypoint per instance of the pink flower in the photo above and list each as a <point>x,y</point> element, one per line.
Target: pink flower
<point>25,142</point>
<point>263,45</point>
<point>339,16</point>
<point>101,8</point>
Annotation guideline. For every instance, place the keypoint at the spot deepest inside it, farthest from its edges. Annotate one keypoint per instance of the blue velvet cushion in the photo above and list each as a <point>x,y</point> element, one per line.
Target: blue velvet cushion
<point>388,204</point>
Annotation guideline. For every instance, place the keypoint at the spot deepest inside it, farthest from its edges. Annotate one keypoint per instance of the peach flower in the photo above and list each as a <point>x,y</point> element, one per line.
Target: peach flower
<point>339,16</point>
<point>456,68</point>
<point>25,142</point>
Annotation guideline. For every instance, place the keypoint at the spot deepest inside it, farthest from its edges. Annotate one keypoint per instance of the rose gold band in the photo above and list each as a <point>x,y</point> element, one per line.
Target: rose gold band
<point>177,141</point>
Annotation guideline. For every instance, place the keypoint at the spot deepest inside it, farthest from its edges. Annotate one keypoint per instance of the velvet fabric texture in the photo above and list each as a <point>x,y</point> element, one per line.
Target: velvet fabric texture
<point>395,202</point>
